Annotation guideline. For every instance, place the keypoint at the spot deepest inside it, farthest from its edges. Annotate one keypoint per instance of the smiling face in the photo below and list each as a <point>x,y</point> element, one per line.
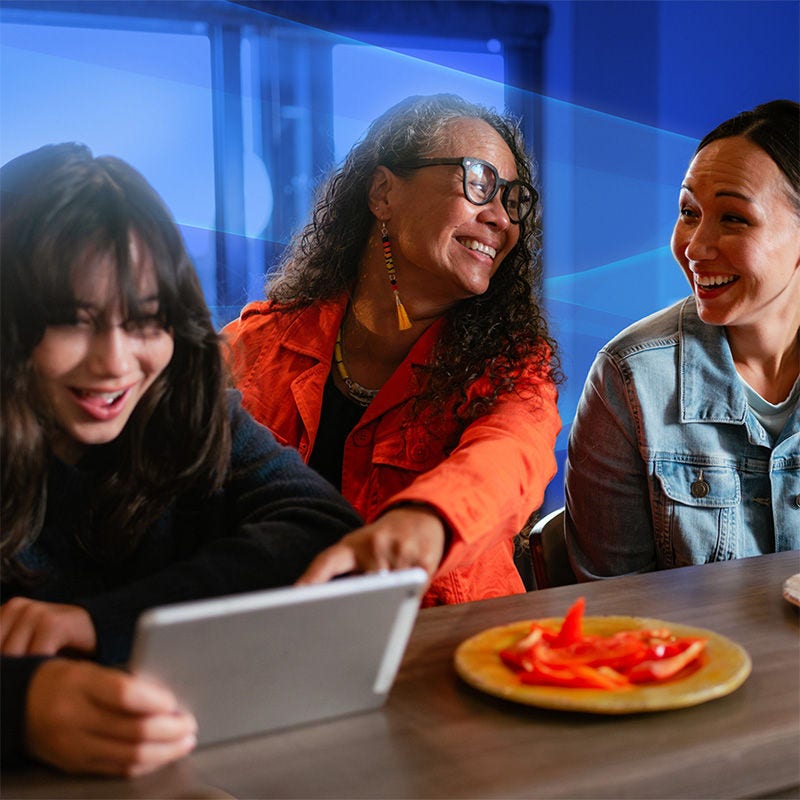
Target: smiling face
<point>445,248</point>
<point>93,371</point>
<point>737,237</point>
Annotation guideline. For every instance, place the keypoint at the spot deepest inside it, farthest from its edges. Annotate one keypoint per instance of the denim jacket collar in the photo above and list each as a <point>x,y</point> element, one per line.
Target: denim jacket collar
<point>710,388</point>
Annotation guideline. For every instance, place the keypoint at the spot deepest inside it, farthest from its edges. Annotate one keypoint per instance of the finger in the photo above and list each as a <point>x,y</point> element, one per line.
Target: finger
<point>137,695</point>
<point>170,728</point>
<point>154,756</point>
<point>17,632</point>
<point>45,638</point>
<point>31,627</point>
<point>154,728</point>
<point>336,560</point>
<point>7,617</point>
<point>117,691</point>
<point>414,552</point>
<point>65,727</point>
<point>132,727</point>
<point>108,756</point>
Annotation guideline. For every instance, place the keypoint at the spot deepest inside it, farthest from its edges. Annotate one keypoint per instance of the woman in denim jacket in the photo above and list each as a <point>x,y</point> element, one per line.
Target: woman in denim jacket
<point>686,444</point>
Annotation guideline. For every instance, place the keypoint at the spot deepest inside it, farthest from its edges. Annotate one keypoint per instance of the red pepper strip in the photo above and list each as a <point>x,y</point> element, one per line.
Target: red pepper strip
<point>663,668</point>
<point>547,634</point>
<point>518,660</point>
<point>576,676</point>
<point>572,626</point>
<point>659,650</point>
<point>519,655</point>
<point>527,642</point>
<point>622,650</point>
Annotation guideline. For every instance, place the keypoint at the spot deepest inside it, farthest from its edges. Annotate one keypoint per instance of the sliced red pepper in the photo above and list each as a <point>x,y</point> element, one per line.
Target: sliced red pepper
<point>622,650</point>
<point>572,627</point>
<point>576,676</point>
<point>662,668</point>
<point>568,658</point>
<point>535,635</point>
<point>519,655</point>
<point>518,660</point>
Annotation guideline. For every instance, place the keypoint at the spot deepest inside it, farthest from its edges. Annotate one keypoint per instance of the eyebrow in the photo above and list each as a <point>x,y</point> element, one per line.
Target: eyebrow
<point>723,193</point>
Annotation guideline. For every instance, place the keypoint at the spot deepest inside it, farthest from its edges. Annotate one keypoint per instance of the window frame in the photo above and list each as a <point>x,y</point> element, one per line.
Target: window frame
<point>520,27</point>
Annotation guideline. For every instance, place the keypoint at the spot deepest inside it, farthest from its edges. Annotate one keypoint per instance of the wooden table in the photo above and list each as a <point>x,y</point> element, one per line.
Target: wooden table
<point>437,737</point>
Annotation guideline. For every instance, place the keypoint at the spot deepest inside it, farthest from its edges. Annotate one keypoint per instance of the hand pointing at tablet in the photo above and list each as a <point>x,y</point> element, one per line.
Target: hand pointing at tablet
<point>406,536</point>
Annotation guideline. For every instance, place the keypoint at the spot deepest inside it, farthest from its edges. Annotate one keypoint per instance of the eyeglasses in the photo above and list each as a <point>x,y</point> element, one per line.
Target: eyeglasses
<point>482,182</point>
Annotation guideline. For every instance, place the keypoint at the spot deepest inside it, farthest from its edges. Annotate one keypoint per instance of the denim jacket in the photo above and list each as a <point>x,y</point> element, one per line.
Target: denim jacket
<point>667,465</point>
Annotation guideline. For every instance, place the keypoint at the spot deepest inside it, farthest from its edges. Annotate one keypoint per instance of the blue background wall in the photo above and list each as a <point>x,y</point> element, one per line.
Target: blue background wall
<point>234,111</point>
<point>678,68</point>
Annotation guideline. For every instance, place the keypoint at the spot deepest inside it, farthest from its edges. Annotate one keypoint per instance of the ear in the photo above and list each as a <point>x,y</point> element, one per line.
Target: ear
<point>379,193</point>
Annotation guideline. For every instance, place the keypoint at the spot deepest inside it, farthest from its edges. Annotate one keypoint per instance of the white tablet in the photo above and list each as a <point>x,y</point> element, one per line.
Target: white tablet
<point>255,662</point>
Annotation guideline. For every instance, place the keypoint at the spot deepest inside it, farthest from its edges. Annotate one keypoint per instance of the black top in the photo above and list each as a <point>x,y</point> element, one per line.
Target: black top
<point>261,530</point>
<point>340,414</point>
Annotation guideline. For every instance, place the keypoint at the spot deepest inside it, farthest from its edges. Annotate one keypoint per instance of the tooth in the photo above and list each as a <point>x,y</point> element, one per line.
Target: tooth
<point>714,280</point>
<point>106,397</point>
<point>472,244</point>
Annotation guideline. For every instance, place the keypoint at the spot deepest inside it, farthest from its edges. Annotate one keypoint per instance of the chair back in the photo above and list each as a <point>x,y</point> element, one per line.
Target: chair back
<point>549,552</point>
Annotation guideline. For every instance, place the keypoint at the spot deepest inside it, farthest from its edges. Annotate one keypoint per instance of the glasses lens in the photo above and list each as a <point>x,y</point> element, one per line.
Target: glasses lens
<point>518,201</point>
<point>479,182</point>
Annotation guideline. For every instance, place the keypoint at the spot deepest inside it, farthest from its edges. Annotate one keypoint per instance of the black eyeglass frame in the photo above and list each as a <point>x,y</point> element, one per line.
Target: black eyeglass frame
<point>499,183</point>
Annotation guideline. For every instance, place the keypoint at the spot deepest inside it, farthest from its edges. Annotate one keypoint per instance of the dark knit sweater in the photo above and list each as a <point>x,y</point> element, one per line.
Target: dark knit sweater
<point>272,517</point>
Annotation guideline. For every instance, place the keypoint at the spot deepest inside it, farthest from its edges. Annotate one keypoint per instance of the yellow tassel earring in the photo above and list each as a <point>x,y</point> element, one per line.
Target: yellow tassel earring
<point>403,322</point>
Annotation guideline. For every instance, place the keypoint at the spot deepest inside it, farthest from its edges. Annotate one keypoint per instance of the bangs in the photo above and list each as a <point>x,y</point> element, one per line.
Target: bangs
<point>103,227</point>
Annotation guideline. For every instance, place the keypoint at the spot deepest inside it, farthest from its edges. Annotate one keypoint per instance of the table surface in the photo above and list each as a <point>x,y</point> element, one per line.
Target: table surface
<point>437,737</point>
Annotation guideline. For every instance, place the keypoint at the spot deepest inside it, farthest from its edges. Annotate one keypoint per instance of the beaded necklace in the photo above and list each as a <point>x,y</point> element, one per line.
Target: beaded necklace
<point>359,393</point>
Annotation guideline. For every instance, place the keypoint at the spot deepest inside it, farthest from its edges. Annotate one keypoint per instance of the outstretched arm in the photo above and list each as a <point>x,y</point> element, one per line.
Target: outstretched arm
<point>481,494</point>
<point>488,486</point>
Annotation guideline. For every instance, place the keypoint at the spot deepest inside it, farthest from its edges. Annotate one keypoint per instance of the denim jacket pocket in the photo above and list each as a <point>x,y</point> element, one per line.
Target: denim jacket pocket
<point>698,513</point>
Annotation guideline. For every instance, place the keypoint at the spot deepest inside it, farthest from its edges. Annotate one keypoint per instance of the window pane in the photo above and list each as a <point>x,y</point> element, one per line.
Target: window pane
<point>385,77</point>
<point>140,95</point>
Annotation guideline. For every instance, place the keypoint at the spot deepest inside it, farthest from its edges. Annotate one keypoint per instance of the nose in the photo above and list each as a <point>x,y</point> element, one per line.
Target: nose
<point>701,243</point>
<point>111,352</point>
<point>494,213</point>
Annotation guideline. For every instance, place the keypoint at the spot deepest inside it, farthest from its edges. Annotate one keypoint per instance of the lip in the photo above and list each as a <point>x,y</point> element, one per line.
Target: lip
<point>101,404</point>
<point>710,291</point>
<point>483,245</point>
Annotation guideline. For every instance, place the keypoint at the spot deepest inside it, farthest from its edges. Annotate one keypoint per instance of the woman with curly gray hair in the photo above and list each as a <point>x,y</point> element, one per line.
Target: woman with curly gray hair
<point>402,348</point>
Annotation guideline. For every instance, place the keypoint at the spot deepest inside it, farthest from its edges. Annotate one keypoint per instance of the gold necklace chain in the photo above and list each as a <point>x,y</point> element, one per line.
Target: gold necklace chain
<point>359,393</point>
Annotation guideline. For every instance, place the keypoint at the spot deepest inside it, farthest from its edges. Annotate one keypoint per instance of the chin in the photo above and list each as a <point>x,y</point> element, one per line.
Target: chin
<point>95,438</point>
<point>710,316</point>
<point>476,287</point>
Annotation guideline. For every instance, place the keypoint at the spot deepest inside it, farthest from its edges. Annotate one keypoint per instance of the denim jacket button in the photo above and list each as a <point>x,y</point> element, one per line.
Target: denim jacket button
<point>699,488</point>
<point>797,501</point>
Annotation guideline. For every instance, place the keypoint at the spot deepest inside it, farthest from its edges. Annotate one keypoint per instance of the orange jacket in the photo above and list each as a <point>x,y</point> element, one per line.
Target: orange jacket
<point>484,489</point>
